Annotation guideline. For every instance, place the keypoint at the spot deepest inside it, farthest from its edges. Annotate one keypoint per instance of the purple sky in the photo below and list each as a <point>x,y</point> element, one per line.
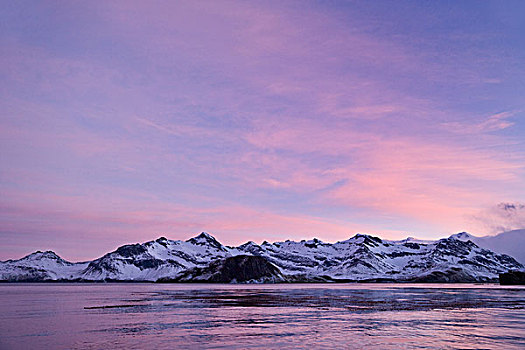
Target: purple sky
<point>121,122</point>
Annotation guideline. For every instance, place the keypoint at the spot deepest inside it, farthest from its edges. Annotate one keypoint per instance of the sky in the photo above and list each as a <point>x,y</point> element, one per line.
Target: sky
<point>123,121</point>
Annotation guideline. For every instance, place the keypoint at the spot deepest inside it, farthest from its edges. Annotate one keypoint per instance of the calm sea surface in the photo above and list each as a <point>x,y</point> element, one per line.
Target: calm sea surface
<point>314,316</point>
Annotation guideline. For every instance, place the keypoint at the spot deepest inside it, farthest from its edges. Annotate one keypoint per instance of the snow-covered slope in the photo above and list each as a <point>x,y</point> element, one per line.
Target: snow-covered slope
<point>361,257</point>
<point>366,257</point>
<point>40,266</point>
<point>156,259</point>
<point>511,243</point>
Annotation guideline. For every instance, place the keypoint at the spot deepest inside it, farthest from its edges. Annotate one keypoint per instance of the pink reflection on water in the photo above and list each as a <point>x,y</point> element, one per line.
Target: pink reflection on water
<point>262,316</point>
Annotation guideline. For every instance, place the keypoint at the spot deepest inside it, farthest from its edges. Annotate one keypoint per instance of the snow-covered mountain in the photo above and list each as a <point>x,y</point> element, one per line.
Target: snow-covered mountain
<point>40,266</point>
<point>155,259</point>
<point>510,242</point>
<point>203,258</point>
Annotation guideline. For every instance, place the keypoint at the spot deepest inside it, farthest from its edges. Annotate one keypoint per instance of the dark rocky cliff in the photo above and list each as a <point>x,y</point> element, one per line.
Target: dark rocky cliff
<point>240,268</point>
<point>512,277</point>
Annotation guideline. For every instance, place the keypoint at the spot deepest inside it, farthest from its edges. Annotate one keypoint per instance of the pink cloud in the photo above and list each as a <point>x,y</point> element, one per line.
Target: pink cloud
<point>178,117</point>
<point>119,222</point>
<point>404,176</point>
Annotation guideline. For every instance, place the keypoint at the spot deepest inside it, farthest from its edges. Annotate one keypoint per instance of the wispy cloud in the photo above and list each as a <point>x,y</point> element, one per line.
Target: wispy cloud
<point>495,122</point>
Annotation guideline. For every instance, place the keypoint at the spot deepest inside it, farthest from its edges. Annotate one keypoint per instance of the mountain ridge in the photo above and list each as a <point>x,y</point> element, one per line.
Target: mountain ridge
<point>359,258</point>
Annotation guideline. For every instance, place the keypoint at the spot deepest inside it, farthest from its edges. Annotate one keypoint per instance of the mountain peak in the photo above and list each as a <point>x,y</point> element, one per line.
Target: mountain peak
<point>462,236</point>
<point>205,235</point>
<point>365,239</point>
<point>205,238</point>
<point>39,256</point>
<point>48,254</point>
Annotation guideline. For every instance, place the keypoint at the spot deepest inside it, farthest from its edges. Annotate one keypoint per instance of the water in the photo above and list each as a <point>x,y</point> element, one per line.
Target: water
<point>315,316</point>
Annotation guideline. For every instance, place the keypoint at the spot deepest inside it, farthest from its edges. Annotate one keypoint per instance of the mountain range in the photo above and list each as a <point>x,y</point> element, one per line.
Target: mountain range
<point>458,258</point>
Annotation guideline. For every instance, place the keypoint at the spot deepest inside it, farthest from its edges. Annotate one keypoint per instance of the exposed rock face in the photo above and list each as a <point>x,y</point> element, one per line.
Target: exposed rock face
<point>452,275</point>
<point>203,258</point>
<point>367,258</point>
<point>240,268</point>
<point>512,277</point>
<point>27,274</point>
